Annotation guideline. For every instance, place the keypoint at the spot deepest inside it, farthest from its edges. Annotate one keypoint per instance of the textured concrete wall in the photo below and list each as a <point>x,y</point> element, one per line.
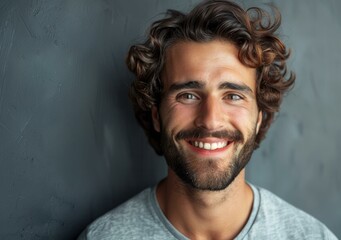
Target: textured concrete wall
<point>70,148</point>
<point>300,159</point>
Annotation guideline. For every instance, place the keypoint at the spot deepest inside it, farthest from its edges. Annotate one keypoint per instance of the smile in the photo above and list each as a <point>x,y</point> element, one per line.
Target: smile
<point>209,146</point>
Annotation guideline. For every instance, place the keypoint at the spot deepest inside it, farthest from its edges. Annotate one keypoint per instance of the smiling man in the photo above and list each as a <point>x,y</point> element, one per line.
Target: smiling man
<point>208,116</point>
<point>207,86</point>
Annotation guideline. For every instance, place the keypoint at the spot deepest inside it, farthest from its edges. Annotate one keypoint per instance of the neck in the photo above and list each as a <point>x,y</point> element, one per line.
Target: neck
<point>201,214</point>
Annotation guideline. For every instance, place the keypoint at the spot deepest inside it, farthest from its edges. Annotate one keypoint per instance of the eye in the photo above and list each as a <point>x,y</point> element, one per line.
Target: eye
<point>187,98</point>
<point>233,97</point>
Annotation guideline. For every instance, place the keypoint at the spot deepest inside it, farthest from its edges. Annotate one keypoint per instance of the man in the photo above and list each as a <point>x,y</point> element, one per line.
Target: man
<point>207,86</point>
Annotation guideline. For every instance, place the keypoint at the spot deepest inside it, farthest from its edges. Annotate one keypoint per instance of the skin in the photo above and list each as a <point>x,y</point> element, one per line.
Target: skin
<point>199,213</point>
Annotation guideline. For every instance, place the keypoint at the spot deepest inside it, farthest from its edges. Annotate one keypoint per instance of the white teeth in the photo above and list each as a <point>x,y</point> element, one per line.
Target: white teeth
<point>209,146</point>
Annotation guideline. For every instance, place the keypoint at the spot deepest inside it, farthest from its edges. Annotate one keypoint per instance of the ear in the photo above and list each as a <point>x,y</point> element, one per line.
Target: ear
<point>156,118</point>
<point>259,121</point>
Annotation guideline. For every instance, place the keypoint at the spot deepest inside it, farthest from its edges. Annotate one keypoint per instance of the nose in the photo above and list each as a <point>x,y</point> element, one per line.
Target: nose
<point>210,114</point>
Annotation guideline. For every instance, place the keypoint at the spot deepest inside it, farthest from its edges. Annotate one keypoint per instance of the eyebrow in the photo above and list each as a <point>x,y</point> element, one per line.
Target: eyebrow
<point>199,85</point>
<point>186,85</point>
<point>235,86</point>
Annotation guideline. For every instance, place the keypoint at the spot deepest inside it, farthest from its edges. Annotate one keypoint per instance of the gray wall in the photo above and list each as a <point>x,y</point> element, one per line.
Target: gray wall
<point>70,148</point>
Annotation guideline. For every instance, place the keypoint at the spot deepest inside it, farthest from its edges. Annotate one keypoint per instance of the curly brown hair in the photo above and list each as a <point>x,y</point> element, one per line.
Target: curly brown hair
<point>252,31</point>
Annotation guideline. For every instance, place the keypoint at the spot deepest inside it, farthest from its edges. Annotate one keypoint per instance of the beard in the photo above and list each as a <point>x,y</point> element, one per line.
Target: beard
<point>207,174</point>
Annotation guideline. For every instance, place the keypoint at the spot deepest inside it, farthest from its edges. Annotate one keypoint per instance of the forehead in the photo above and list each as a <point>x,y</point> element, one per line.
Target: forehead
<point>211,62</point>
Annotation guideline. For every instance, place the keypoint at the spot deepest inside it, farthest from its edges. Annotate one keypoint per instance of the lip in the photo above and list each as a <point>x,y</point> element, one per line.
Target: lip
<point>206,152</point>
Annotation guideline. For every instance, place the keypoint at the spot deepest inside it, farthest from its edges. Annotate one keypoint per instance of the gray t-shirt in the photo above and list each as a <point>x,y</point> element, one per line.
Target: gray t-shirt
<point>141,218</point>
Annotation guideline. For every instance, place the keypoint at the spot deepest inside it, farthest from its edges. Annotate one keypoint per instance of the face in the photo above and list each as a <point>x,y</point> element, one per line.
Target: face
<point>208,116</point>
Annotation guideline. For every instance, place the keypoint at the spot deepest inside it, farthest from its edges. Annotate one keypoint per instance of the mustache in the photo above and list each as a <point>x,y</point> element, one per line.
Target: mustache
<point>233,135</point>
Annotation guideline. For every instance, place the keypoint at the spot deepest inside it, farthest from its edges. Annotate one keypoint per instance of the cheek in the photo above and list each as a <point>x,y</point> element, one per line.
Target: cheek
<point>177,117</point>
<point>242,118</point>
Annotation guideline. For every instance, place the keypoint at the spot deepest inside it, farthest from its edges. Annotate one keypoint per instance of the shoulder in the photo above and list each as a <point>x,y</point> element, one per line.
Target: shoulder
<point>125,221</point>
<point>278,218</point>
